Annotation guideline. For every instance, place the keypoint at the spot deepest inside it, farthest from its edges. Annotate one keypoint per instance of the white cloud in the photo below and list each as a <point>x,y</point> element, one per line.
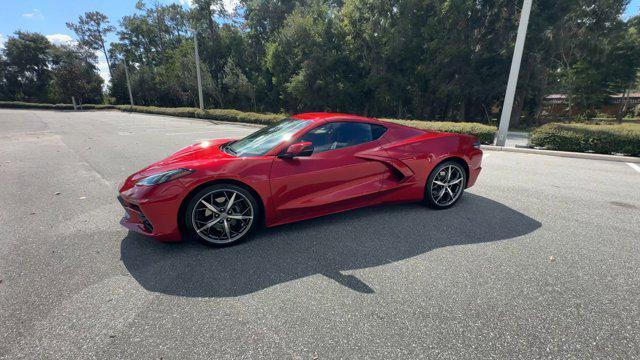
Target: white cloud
<point>229,5</point>
<point>3,39</point>
<point>34,15</point>
<point>61,39</point>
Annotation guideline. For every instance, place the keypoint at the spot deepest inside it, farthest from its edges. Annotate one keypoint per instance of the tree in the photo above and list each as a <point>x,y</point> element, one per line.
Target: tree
<point>75,75</point>
<point>624,63</point>
<point>3,78</point>
<point>26,66</point>
<point>575,44</point>
<point>92,29</point>
<point>309,69</point>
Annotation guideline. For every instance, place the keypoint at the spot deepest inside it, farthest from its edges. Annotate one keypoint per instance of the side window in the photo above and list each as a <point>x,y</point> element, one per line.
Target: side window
<point>342,134</point>
<point>377,131</point>
<point>321,137</point>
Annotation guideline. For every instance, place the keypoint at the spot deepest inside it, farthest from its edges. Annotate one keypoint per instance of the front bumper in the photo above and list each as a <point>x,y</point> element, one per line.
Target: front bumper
<point>152,212</point>
<point>134,219</point>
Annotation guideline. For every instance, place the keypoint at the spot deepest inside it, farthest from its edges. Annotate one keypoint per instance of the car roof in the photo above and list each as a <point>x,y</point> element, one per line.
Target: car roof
<point>325,116</point>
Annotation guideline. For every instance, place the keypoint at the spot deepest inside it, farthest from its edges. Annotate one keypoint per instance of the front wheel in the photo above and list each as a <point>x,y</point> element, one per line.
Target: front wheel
<point>445,185</point>
<point>222,214</point>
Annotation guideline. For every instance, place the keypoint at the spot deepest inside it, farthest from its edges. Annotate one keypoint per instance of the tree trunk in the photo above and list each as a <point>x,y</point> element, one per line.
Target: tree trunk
<point>516,113</point>
<point>486,113</point>
<point>106,57</point>
<point>540,96</point>
<point>625,102</point>
<point>462,115</point>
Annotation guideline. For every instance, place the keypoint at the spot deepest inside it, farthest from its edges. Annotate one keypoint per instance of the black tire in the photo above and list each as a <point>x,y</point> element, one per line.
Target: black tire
<point>437,196</point>
<point>199,215</point>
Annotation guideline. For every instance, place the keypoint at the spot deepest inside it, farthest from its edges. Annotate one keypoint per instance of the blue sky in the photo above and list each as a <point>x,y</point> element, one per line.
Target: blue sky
<point>49,17</point>
<point>632,9</point>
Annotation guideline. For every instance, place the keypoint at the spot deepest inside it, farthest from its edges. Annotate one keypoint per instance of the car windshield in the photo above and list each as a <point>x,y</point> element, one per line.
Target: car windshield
<point>265,139</point>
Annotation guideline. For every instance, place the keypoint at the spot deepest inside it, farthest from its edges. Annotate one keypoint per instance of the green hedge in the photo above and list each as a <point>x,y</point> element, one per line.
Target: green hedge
<point>484,133</point>
<point>27,105</point>
<point>212,114</point>
<point>602,139</point>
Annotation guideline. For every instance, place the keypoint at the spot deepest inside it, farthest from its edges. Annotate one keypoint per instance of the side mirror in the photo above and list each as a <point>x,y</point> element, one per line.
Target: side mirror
<point>298,149</point>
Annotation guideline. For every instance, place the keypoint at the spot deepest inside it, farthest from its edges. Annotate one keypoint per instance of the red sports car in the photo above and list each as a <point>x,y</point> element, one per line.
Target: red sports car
<point>304,166</point>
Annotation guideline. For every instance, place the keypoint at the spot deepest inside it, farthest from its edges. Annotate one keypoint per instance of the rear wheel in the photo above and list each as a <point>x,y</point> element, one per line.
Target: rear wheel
<point>445,185</point>
<point>222,214</point>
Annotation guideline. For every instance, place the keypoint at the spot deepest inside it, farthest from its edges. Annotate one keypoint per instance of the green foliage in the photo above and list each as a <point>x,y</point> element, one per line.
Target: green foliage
<point>26,67</point>
<point>435,59</point>
<point>438,59</point>
<point>212,114</point>
<point>602,139</point>
<point>33,69</point>
<point>44,106</point>
<point>310,68</point>
<point>484,133</point>
<point>75,75</point>
<point>91,29</point>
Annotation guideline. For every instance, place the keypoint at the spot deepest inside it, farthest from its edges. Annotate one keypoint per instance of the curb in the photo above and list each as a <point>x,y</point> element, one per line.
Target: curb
<point>567,154</point>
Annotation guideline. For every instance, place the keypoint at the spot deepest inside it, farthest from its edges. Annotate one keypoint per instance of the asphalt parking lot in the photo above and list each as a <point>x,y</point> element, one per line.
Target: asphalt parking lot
<point>541,259</point>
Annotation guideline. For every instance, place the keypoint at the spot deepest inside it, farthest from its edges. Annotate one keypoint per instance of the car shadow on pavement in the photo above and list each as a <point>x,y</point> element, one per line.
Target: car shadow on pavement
<point>328,245</point>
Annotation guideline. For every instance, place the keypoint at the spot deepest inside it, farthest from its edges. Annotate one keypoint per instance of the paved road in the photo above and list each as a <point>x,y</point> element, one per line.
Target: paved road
<point>540,259</point>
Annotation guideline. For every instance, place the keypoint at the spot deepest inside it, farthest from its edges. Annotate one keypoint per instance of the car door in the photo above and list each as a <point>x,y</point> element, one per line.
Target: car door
<point>333,178</point>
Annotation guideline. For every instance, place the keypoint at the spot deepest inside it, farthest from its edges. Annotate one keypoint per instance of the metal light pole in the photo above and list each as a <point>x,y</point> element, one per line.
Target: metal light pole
<point>126,73</point>
<point>195,41</point>
<point>509,96</point>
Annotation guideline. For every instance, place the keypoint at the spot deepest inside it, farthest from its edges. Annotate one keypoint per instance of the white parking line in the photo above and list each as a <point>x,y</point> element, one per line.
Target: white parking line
<point>634,167</point>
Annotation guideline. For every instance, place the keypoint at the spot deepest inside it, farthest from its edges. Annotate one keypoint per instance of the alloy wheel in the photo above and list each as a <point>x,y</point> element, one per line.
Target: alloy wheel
<point>447,185</point>
<point>222,216</point>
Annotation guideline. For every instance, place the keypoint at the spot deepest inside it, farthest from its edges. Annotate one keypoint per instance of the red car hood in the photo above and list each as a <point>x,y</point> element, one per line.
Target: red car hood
<point>192,155</point>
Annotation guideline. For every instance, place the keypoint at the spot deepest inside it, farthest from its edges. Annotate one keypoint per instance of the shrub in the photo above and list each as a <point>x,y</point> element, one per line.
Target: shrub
<point>602,139</point>
<point>42,106</point>
<point>97,107</point>
<point>484,133</point>
<point>26,105</point>
<point>240,116</point>
<point>211,114</point>
<point>182,111</point>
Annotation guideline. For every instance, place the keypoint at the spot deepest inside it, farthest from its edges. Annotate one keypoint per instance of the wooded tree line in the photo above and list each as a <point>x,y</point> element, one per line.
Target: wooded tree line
<point>32,69</point>
<point>429,59</point>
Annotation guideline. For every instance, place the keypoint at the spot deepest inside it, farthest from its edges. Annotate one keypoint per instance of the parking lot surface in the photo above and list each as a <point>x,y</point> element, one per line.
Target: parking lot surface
<point>541,259</point>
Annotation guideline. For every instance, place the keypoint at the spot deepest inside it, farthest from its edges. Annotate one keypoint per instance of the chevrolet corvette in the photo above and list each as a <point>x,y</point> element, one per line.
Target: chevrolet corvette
<point>309,165</point>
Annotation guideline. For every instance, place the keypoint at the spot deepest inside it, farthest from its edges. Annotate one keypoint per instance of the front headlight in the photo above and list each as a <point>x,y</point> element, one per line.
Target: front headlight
<point>163,177</point>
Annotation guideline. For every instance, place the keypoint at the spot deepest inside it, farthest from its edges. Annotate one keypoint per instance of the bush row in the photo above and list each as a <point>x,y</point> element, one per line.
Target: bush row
<point>485,133</point>
<point>27,105</point>
<point>602,139</point>
<point>211,114</point>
